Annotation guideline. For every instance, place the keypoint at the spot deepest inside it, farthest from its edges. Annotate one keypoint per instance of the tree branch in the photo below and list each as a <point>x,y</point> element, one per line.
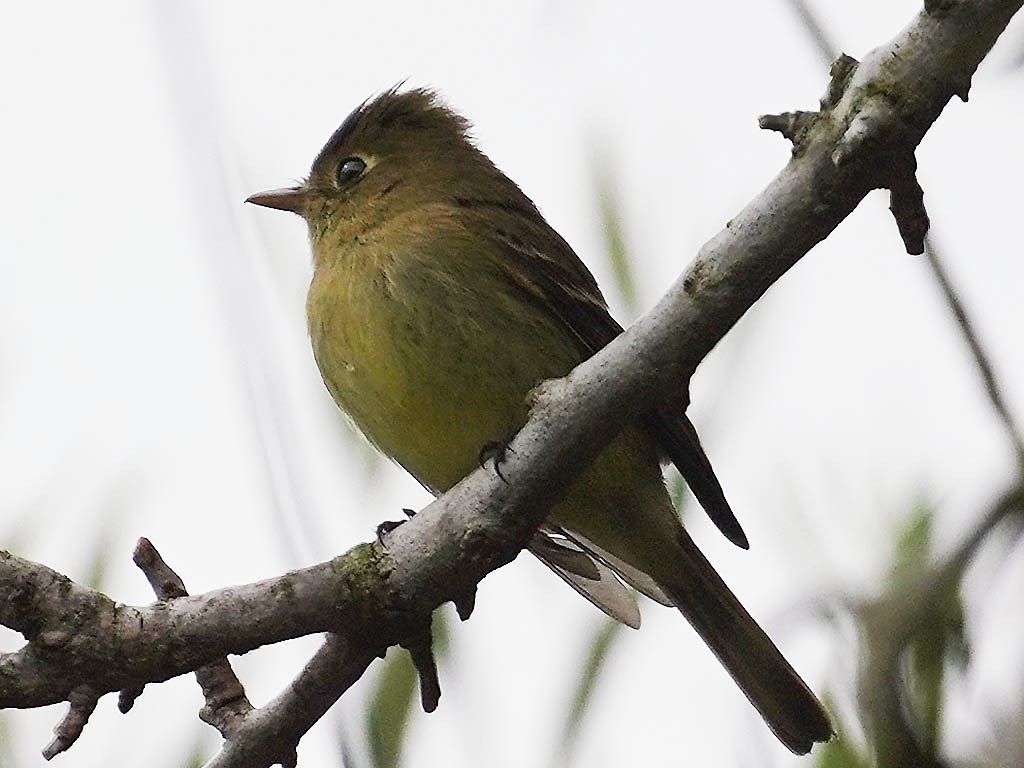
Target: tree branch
<point>380,594</point>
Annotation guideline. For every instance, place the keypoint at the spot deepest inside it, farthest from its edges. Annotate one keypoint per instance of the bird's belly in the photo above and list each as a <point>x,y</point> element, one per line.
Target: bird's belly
<point>428,384</point>
<point>431,423</point>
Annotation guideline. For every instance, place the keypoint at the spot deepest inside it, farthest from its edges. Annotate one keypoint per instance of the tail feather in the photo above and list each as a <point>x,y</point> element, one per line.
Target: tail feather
<point>785,702</point>
<point>678,438</point>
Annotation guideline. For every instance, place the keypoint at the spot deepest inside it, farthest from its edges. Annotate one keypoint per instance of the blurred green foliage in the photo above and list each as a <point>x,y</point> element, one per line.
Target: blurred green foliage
<point>595,662</point>
<point>938,637</point>
<point>613,231</point>
<point>390,707</point>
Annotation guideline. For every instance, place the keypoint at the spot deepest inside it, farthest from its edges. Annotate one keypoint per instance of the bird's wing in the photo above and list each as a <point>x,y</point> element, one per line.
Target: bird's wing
<point>555,280</point>
<point>636,578</point>
<point>590,577</point>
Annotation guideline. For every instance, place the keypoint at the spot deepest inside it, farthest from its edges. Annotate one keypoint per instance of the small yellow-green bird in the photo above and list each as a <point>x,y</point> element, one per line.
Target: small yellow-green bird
<point>440,298</point>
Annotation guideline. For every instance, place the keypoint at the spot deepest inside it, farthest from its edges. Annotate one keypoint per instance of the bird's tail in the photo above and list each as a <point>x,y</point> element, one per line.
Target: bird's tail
<point>785,702</point>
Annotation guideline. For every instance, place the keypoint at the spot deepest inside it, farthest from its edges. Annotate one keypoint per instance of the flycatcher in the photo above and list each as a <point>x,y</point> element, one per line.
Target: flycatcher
<point>440,297</point>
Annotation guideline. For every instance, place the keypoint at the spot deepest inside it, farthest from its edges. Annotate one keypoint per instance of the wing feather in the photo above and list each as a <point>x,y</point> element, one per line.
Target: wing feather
<point>552,277</point>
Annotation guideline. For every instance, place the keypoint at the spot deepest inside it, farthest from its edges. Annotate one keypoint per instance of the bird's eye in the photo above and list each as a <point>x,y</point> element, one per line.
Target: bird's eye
<point>350,169</point>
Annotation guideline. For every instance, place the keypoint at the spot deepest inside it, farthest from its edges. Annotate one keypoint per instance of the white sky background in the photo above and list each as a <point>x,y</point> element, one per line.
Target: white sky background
<point>156,379</point>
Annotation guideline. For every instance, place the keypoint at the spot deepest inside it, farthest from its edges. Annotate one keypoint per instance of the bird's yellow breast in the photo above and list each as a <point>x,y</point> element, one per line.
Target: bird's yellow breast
<point>428,347</point>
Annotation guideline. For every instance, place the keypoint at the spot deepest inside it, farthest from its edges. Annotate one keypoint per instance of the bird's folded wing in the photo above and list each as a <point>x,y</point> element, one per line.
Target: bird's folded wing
<point>554,279</point>
<point>588,576</point>
<point>636,578</point>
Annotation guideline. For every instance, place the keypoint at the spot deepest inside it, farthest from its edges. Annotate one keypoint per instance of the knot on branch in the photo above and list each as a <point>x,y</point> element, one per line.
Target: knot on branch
<point>464,604</point>
<point>874,142</point>
<point>82,701</point>
<point>792,125</point>
<point>874,136</point>
<point>840,74</point>
<point>871,128</point>
<point>906,203</point>
<point>795,126</point>
<point>420,645</point>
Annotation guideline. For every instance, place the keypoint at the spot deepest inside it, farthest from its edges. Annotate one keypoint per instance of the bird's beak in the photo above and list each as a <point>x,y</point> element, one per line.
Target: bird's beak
<point>292,199</point>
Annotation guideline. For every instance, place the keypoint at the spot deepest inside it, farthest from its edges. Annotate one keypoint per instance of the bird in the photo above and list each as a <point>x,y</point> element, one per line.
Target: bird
<point>440,298</point>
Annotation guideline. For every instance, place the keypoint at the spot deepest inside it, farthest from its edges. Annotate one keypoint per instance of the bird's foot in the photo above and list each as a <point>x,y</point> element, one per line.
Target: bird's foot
<point>496,451</point>
<point>389,525</point>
